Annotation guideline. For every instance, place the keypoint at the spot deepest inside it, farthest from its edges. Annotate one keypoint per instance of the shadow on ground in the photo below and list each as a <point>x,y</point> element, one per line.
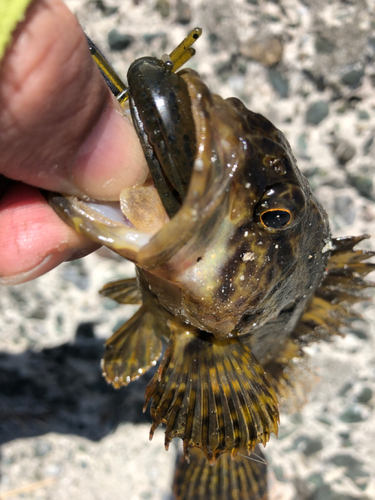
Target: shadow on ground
<point>62,390</point>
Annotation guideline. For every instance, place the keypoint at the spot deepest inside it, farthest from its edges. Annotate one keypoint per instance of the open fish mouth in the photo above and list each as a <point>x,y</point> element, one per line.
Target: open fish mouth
<point>137,226</point>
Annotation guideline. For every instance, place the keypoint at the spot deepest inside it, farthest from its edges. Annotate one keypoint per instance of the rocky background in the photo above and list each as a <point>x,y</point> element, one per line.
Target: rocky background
<point>308,65</point>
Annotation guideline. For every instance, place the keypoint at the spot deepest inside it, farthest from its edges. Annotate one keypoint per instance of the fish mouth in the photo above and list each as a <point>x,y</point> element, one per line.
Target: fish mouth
<point>121,225</point>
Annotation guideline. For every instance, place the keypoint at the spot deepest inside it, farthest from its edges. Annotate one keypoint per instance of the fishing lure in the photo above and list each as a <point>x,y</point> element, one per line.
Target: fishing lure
<point>235,267</point>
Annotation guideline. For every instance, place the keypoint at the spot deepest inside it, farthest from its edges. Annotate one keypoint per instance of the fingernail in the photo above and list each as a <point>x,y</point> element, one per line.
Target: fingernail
<point>48,263</point>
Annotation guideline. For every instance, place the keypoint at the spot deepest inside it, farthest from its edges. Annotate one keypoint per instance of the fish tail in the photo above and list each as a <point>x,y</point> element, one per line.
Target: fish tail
<point>241,478</point>
<point>212,394</point>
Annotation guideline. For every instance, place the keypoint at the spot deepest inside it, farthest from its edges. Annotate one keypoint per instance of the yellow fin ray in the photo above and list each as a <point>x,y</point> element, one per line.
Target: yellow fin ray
<point>132,349</point>
<point>229,479</point>
<point>125,291</point>
<point>212,394</point>
<point>342,286</point>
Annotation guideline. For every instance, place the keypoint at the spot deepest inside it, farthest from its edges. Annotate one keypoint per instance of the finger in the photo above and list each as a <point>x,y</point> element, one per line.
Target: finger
<point>60,127</point>
<point>33,238</point>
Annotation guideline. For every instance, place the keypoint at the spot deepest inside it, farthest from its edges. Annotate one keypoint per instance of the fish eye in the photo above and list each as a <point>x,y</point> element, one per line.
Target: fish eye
<point>280,207</point>
<point>276,218</point>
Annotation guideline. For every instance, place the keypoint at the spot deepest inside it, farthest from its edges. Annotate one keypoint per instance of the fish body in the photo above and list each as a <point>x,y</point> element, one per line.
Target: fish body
<point>235,266</point>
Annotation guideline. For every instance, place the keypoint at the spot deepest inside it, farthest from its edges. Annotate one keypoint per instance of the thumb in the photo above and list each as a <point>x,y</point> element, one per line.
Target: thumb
<point>60,127</point>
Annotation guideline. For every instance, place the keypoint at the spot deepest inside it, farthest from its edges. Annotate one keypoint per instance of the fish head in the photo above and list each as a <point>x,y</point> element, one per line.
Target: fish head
<point>250,232</point>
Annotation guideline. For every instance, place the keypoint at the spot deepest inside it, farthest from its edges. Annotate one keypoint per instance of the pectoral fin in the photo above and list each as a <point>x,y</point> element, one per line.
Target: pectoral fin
<point>212,394</point>
<point>343,285</point>
<point>241,478</point>
<point>124,291</point>
<point>132,349</point>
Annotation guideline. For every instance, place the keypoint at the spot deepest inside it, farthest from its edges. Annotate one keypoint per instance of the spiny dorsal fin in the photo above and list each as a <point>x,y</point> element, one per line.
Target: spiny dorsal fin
<point>241,478</point>
<point>342,286</point>
<point>125,291</point>
<point>132,349</point>
<point>212,394</point>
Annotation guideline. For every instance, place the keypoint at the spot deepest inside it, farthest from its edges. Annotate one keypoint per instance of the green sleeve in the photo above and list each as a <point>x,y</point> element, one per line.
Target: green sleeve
<point>11,13</point>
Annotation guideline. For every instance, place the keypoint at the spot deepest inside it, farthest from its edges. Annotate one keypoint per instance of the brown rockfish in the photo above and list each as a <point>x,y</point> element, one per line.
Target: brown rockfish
<point>235,267</point>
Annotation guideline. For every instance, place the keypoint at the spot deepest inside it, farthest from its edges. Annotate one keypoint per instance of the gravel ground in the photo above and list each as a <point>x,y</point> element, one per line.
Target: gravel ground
<point>309,67</point>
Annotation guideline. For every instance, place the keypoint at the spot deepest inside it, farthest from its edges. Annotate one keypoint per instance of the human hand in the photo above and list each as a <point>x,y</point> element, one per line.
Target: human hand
<point>61,130</point>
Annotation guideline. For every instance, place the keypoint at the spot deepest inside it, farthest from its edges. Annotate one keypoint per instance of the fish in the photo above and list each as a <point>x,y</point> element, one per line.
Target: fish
<point>236,270</point>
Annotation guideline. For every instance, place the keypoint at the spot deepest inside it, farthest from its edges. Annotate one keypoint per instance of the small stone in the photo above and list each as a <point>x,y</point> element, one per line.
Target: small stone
<point>344,152</point>
<point>214,41</point>
<point>346,441</point>
<point>278,82</point>
<point>42,448</point>
<point>267,51</point>
<point>324,420</point>
<point>323,45</point>
<point>316,479</point>
<point>296,419</point>
<point>323,492</point>
<point>365,395</point>
<point>358,476</point>
<point>106,10</point>
<point>353,77</point>
<point>363,115</point>
<point>345,209</point>
<point>316,112</point>
<point>224,69</point>
<point>360,334</point>
<point>343,108</point>
<point>119,41</point>
<point>163,7</point>
<point>312,446</point>
<point>342,460</point>
<point>318,80</point>
<point>39,313</point>
<point>278,470</point>
<point>371,44</point>
<point>367,145</point>
<point>352,415</point>
<point>312,171</point>
<point>302,146</point>
<point>364,185</point>
<point>344,435</point>
<point>183,12</point>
